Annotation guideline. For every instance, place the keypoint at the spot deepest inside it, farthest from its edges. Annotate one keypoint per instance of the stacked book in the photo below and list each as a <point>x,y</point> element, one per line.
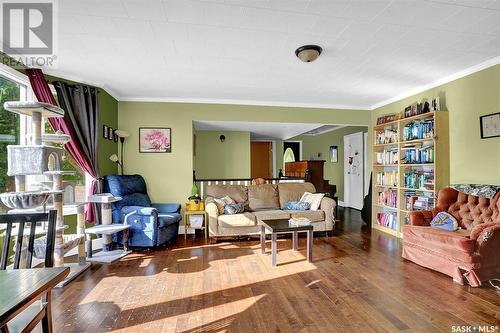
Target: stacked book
<point>387,178</point>
<point>423,201</point>
<point>387,157</point>
<point>388,220</point>
<point>299,222</point>
<point>419,129</point>
<point>419,179</point>
<point>388,198</point>
<point>418,153</point>
<point>387,135</point>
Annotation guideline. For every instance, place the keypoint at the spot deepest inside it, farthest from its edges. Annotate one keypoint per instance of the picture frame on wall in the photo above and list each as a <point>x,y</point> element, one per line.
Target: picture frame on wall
<point>105,131</point>
<point>334,154</point>
<point>155,140</point>
<point>490,125</point>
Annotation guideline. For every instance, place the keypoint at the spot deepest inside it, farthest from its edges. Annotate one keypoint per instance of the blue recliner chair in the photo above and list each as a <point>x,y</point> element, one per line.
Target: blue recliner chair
<point>150,224</point>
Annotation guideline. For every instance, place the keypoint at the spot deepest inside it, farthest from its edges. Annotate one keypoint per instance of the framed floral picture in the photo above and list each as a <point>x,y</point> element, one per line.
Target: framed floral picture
<point>155,140</point>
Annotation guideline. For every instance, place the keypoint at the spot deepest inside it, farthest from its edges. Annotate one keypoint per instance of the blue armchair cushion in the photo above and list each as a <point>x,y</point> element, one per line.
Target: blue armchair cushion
<point>167,207</point>
<point>165,220</point>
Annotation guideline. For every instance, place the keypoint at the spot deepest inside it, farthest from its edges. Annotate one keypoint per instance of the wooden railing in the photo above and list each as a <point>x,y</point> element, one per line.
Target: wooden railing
<point>203,183</point>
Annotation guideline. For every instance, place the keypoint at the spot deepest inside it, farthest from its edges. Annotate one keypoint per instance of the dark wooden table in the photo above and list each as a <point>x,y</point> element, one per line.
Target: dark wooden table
<point>277,226</point>
<point>22,287</point>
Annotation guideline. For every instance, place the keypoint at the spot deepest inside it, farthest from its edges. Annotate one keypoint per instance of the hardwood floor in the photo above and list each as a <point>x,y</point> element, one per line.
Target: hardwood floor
<point>356,283</point>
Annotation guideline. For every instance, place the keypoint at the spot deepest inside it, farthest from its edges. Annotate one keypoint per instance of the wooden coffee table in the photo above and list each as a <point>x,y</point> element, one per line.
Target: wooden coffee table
<point>280,226</point>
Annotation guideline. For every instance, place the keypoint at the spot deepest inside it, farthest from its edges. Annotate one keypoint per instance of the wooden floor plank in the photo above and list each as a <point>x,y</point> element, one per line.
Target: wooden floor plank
<point>358,282</point>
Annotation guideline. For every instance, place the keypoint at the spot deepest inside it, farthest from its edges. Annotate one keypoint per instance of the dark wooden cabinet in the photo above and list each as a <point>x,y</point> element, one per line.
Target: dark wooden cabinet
<point>313,170</point>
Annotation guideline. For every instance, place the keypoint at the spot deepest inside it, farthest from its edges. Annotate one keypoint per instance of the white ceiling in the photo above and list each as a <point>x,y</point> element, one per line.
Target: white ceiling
<point>261,131</point>
<point>243,50</point>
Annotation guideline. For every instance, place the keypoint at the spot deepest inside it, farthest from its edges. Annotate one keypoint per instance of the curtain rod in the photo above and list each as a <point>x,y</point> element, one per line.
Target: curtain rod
<point>77,85</point>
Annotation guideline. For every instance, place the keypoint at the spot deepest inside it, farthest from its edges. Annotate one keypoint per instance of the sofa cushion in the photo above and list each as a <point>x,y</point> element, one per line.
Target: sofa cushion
<point>293,192</point>
<point>271,215</point>
<point>439,239</point>
<point>236,192</point>
<point>313,215</point>
<point>263,197</point>
<point>237,220</point>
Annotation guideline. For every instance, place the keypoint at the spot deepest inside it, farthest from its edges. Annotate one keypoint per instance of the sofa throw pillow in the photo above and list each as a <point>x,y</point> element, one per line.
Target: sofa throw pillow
<point>221,202</point>
<point>444,221</point>
<point>297,205</point>
<point>232,209</point>
<point>314,199</point>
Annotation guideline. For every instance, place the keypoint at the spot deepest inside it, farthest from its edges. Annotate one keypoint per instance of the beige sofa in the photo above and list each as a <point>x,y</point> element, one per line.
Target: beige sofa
<point>263,202</point>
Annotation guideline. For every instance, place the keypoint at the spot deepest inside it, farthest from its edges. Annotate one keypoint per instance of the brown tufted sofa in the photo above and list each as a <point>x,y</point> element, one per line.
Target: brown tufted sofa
<point>469,255</point>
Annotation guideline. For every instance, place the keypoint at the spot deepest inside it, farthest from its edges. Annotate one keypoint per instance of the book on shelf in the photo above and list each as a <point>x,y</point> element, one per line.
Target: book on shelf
<point>387,178</point>
<point>388,220</point>
<point>419,179</point>
<point>418,153</point>
<point>387,157</point>
<point>388,198</point>
<point>422,201</point>
<point>418,129</point>
<point>386,135</point>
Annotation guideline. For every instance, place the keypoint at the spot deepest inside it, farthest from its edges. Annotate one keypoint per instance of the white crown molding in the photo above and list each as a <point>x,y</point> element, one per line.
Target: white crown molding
<point>243,102</point>
<point>447,79</point>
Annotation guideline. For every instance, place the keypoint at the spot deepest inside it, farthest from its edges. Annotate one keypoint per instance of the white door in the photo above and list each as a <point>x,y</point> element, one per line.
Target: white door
<point>353,170</point>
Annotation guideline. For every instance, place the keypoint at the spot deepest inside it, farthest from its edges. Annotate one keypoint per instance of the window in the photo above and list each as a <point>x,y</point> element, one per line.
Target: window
<point>15,129</point>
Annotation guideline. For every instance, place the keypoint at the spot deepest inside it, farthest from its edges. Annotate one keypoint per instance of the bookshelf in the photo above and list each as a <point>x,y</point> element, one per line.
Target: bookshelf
<point>410,163</point>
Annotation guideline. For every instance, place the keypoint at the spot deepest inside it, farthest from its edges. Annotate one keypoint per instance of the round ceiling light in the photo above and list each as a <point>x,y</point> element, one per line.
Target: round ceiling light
<point>308,53</point>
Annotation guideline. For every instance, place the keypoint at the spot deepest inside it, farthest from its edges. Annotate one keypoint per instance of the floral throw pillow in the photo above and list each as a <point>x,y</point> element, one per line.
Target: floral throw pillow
<point>221,202</point>
<point>297,205</point>
<point>444,221</point>
<point>232,209</point>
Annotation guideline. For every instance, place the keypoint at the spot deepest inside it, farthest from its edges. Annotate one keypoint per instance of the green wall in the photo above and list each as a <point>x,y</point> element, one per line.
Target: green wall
<point>312,145</point>
<point>221,160</point>
<point>169,175</point>
<point>472,159</point>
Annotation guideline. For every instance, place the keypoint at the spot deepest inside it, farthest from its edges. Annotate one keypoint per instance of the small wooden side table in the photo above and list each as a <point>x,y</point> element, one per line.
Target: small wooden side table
<point>188,213</point>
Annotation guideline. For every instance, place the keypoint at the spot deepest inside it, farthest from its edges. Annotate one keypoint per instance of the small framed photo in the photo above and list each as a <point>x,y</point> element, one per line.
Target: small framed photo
<point>155,140</point>
<point>334,154</point>
<point>105,131</point>
<point>111,133</point>
<point>490,125</point>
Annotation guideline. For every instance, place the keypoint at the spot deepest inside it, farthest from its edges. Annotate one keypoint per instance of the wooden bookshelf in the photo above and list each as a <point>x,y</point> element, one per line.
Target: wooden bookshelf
<point>440,166</point>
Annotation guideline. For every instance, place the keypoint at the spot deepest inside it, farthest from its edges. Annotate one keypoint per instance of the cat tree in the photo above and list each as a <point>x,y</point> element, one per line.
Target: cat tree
<point>43,157</point>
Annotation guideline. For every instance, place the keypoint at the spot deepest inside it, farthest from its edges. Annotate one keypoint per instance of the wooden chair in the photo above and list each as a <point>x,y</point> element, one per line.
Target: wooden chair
<point>39,310</point>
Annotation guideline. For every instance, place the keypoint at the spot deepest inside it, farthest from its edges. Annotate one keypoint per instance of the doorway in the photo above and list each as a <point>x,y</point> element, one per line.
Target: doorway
<point>261,159</point>
<point>353,170</point>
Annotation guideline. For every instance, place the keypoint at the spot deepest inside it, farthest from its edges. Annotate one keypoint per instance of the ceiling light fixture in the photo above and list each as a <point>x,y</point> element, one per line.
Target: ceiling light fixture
<point>308,53</point>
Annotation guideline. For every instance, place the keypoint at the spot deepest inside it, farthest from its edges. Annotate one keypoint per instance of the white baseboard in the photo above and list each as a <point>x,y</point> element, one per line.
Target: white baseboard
<point>341,203</point>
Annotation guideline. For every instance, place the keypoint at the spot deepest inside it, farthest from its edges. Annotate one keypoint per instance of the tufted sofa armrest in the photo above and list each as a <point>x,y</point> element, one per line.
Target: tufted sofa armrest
<point>421,217</point>
<point>328,206</point>
<point>213,216</point>
<point>487,237</point>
